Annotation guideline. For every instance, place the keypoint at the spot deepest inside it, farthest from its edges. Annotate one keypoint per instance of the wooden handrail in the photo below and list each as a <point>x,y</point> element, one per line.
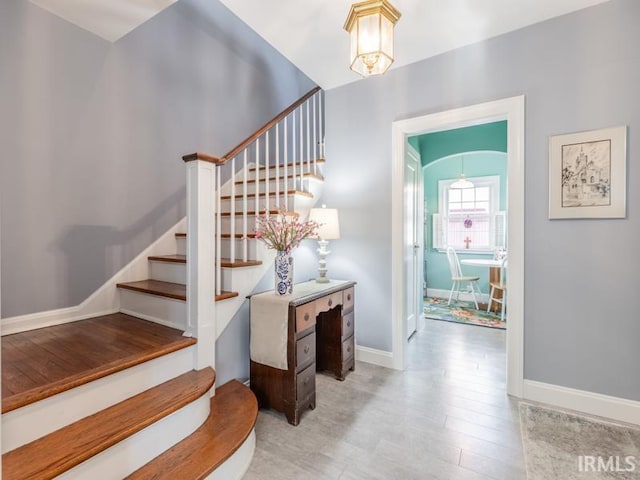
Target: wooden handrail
<point>202,156</point>
<point>244,144</point>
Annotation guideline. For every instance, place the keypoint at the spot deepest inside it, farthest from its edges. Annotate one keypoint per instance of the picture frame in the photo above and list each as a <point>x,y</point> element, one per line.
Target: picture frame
<point>588,174</point>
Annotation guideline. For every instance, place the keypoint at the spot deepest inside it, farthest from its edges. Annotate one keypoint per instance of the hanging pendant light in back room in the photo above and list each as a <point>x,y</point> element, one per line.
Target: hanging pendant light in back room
<point>462,182</point>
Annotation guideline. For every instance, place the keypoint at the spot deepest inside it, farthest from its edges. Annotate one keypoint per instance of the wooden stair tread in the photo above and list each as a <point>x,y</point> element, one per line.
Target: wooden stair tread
<point>225,262</point>
<point>38,364</point>
<point>234,410</point>
<point>252,213</point>
<point>237,235</point>
<point>315,176</point>
<point>223,235</point>
<point>63,449</point>
<point>177,291</point>
<point>238,263</point>
<point>318,161</point>
<point>169,258</point>
<point>252,195</point>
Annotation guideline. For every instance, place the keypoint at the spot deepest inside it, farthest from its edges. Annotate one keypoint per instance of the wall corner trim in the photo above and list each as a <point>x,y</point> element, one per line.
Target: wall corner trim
<point>606,406</point>
<point>374,356</point>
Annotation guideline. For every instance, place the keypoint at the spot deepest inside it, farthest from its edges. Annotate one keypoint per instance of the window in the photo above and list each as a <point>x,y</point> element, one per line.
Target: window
<point>469,218</point>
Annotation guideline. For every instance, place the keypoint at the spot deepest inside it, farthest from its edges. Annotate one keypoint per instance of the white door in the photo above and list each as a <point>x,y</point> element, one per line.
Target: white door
<point>413,239</point>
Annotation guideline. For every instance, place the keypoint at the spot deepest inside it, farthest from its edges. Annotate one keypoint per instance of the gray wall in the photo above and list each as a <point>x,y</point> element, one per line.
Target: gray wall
<point>578,72</point>
<point>92,134</point>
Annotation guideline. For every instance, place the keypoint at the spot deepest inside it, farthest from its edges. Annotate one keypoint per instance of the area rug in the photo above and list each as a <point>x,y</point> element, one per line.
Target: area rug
<point>567,446</point>
<point>460,312</point>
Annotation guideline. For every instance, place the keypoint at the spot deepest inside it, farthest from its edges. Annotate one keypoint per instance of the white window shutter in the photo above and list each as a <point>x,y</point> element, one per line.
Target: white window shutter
<point>500,229</point>
<point>437,231</point>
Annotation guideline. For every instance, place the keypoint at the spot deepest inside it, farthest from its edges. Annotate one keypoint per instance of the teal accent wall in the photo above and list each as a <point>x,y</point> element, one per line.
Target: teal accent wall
<point>489,137</point>
<point>478,164</point>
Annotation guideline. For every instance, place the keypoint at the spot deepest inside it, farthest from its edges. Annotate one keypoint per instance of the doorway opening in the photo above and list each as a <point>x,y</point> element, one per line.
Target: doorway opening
<point>407,242</point>
<point>464,173</point>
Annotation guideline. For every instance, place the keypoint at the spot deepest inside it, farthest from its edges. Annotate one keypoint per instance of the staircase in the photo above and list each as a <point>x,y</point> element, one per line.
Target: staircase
<point>131,394</point>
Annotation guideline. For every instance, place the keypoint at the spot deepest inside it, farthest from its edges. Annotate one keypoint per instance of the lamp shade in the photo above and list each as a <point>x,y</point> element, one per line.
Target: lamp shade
<point>370,25</point>
<point>327,218</point>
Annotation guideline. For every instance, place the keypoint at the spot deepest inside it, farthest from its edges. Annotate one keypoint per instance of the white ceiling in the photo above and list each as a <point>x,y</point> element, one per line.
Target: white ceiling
<point>109,19</point>
<point>310,32</point>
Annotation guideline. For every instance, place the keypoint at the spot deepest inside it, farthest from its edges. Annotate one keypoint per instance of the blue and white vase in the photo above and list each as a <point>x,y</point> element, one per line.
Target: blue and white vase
<point>284,273</point>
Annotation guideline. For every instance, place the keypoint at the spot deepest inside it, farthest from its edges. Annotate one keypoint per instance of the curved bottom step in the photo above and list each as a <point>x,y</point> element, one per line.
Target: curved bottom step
<point>221,448</point>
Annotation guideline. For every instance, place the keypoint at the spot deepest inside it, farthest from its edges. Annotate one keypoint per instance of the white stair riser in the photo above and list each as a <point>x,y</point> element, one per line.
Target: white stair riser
<point>168,272</point>
<point>274,203</point>
<point>181,245</point>
<point>154,308</point>
<point>225,244</point>
<point>233,279</point>
<point>272,172</point>
<point>226,224</point>
<point>33,421</point>
<point>291,185</point>
<point>237,464</point>
<point>130,454</point>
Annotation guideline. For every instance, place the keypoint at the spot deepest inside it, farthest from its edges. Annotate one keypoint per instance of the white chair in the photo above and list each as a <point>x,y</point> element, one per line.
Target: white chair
<point>458,279</point>
<point>502,286</point>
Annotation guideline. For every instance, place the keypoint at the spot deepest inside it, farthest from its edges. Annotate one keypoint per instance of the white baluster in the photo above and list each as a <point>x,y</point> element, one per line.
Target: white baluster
<point>218,237</point>
<point>321,119</point>
<point>301,160</point>
<point>315,135</point>
<point>232,255</point>
<point>286,164</point>
<point>257,184</point>
<point>245,240</point>
<point>308,103</point>
<point>293,150</point>
<point>278,165</point>
<point>268,165</point>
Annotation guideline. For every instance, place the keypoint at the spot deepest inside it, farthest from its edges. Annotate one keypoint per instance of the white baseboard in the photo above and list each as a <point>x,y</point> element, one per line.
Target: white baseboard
<point>374,356</point>
<point>582,401</point>
<point>464,296</point>
<point>104,300</point>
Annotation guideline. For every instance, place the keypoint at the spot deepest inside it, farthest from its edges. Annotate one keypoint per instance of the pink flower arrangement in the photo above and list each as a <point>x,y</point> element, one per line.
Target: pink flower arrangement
<point>283,232</point>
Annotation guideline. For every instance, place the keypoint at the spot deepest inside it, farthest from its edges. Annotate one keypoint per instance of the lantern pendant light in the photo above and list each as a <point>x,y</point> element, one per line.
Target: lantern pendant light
<point>370,25</point>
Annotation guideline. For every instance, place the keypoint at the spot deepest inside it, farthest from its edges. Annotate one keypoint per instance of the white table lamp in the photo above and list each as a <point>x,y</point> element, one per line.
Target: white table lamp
<point>329,229</point>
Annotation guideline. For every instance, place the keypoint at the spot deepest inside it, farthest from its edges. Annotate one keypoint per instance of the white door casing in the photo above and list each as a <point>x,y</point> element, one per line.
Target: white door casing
<point>511,110</point>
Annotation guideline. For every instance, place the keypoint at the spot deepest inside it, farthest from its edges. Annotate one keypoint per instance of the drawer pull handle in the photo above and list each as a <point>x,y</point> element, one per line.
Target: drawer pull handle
<point>330,302</point>
<point>348,323</point>
<point>306,349</point>
<point>349,349</point>
<point>349,298</point>
<point>306,317</point>
<point>306,380</point>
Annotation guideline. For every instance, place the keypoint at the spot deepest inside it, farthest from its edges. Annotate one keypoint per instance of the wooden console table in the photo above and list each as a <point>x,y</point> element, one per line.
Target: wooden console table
<point>320,327</point>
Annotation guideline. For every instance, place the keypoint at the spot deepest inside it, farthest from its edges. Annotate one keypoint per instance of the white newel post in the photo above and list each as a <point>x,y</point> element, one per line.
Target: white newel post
<point>201,321</point>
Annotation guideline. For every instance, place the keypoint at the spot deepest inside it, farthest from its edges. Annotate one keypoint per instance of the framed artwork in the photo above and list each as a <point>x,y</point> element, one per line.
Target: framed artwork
<point>588,174</point>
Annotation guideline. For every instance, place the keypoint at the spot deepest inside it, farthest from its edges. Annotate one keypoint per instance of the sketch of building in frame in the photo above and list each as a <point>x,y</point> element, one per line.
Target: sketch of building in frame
<point>586,174</point>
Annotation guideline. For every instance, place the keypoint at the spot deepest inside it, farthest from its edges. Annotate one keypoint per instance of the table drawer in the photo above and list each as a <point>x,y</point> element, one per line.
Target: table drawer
<point>305,351</point>
<point>305,316</point>
<point>347,324</point>
<point>348,299</point>
<point>348,348</point>
<point>325,304</point>
<point>306,382</point>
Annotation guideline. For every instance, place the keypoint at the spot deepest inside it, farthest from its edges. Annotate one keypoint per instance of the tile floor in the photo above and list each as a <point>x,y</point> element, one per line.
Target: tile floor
<point>446,417</point>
